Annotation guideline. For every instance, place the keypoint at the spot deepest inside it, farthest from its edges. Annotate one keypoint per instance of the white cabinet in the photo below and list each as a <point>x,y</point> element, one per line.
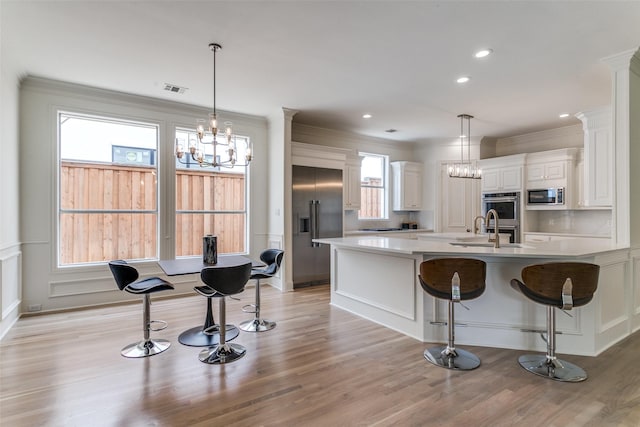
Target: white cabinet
<point>507,178</point>
<point>352,178</point>
<point>407,186</point>
<point>541,175</point>
<point>554,169</point>
<point>597,186</point>
<point>502,174</point>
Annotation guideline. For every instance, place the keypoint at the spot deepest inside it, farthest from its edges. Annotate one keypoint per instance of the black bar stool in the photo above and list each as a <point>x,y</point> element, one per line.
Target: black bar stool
<point>562,285</point>
<point>272,258</point>
<point>455,280</point>
<point>126,278</point>
<point>224,282</point>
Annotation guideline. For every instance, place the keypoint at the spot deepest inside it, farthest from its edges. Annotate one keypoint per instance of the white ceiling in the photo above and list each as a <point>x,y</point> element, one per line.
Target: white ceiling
<point>335,60</point>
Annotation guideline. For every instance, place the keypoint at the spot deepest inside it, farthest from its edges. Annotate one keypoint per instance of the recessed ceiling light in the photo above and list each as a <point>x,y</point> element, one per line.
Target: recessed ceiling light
<point>482,53</point>
<point>463,79</point>
<point>563,115</point>
<point>366,116</point>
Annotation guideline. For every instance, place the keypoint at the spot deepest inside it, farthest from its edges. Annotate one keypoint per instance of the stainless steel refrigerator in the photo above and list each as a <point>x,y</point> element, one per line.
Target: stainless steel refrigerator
<point>317,213</point>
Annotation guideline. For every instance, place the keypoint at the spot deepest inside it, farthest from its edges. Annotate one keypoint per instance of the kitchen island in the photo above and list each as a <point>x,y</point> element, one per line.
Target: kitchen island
<point>377,278</point>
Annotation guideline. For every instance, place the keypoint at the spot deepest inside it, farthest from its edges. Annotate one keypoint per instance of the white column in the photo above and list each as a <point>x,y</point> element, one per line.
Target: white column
<point>625,83</point>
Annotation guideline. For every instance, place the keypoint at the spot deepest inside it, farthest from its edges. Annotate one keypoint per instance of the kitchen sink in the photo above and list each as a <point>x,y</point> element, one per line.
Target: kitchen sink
<point>489,245</point>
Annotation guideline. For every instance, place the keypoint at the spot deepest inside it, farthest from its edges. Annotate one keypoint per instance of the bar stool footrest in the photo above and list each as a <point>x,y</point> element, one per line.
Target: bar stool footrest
<point>251,308</point>
<point>162,326</point>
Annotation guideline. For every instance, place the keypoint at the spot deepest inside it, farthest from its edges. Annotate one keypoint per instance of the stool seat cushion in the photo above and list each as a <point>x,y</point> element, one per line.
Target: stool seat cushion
<point>227,280</point>
<point>543,283</point>
<point>436,274</point>
<point>147,286</point>
<point>126,277</point>
<point>207,291</point>
<point>272,258</point>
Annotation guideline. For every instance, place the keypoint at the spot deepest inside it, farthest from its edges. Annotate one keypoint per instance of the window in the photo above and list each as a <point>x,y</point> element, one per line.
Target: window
<point>373,186</point>
<point>209,201</point>
<point>107,197</point>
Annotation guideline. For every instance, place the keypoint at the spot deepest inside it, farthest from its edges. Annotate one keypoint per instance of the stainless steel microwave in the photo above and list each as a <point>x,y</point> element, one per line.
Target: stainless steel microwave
<point>546,196</point>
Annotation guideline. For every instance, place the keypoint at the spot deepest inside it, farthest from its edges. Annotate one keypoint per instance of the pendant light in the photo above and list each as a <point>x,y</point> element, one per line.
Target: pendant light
<point>465,169</point>
<point>208,150</point>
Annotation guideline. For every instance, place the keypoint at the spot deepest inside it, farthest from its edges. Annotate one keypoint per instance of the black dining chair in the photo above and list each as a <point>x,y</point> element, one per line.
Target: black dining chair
<point>223,282</point>
<point>272,258</point>
<point>126,278</point>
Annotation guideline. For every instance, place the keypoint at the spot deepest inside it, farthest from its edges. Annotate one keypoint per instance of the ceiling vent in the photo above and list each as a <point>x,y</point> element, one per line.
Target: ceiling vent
<point>173,88</point>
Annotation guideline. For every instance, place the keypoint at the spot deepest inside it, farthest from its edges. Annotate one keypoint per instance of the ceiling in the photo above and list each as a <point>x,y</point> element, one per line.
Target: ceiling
<point>333,61</point>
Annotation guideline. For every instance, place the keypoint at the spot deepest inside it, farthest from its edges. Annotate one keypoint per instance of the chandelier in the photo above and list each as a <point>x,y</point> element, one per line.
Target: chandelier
<point>207,150</point>
<point>464,169</point>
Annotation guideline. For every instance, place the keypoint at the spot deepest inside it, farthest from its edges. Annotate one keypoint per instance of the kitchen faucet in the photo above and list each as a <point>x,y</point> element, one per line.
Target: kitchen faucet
<point>475,223</point>
<point>496,238</point>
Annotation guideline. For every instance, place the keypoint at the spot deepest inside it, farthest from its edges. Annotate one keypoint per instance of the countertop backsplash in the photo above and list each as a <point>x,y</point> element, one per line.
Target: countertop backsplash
<point>587,222</point>
<point>423,219</point>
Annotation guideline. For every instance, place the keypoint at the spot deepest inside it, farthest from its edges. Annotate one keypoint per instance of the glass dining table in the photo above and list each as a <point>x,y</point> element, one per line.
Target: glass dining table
<point>196,336</point>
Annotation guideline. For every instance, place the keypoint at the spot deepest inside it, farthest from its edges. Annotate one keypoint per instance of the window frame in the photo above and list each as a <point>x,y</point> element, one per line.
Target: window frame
<point>245,212</point>
<point>384,187</point>
<point>108,118</point>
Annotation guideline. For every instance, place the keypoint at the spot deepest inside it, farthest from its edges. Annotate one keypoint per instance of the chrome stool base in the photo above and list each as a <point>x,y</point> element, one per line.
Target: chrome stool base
<point>461,360</point>
<point>145,348</point>
<point>222,354</point>
<point>196,337</point>
<point>559,370</point>
<point>257,325</point>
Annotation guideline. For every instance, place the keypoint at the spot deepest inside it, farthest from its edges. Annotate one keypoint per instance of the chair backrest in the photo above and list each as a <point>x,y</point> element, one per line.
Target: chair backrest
<point>273,259</point>
<point>123,273</point>
<point>226,280</point>
<point>543,282</point>
<point>436,274</point>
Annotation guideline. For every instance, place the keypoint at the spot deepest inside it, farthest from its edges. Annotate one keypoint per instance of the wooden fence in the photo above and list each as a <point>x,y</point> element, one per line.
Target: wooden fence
<point>370,203</point>
<point>101,236</point>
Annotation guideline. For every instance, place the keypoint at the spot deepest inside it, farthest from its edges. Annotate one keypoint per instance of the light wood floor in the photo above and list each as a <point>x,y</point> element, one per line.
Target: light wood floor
<point>320,366</point>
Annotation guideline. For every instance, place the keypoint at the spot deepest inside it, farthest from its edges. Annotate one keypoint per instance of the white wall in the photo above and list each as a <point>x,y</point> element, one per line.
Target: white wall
<point>10,255</point>
<point>563,137</point>
<point>45,284</point>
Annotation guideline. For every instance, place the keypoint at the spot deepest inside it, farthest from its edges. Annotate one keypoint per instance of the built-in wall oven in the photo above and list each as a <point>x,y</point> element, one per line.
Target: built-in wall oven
<point>507,205</point>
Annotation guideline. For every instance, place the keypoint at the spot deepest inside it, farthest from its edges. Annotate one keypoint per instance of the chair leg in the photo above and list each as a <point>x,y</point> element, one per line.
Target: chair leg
<point>256,324</point>
<point>449,356</point>
<point>224,352</point>
<point>548,365</point>
<point>146,347</point>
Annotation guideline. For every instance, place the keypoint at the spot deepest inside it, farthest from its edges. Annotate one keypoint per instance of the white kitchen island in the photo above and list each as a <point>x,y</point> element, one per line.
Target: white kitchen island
<point>377,278</point>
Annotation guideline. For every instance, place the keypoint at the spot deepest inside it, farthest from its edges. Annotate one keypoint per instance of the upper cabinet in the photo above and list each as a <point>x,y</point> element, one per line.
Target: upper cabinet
<point>352,178</point>
<point>502,174</point>
<point>554,169</point>
<point>552,173</point>
<point>597,187</point>
<point>407,186</point>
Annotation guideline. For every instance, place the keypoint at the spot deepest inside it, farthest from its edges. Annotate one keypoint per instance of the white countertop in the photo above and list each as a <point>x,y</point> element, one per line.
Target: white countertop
<point>460,236</point>
<point>371,231</point>
<point>543,233</point>
<point>566,249</point>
